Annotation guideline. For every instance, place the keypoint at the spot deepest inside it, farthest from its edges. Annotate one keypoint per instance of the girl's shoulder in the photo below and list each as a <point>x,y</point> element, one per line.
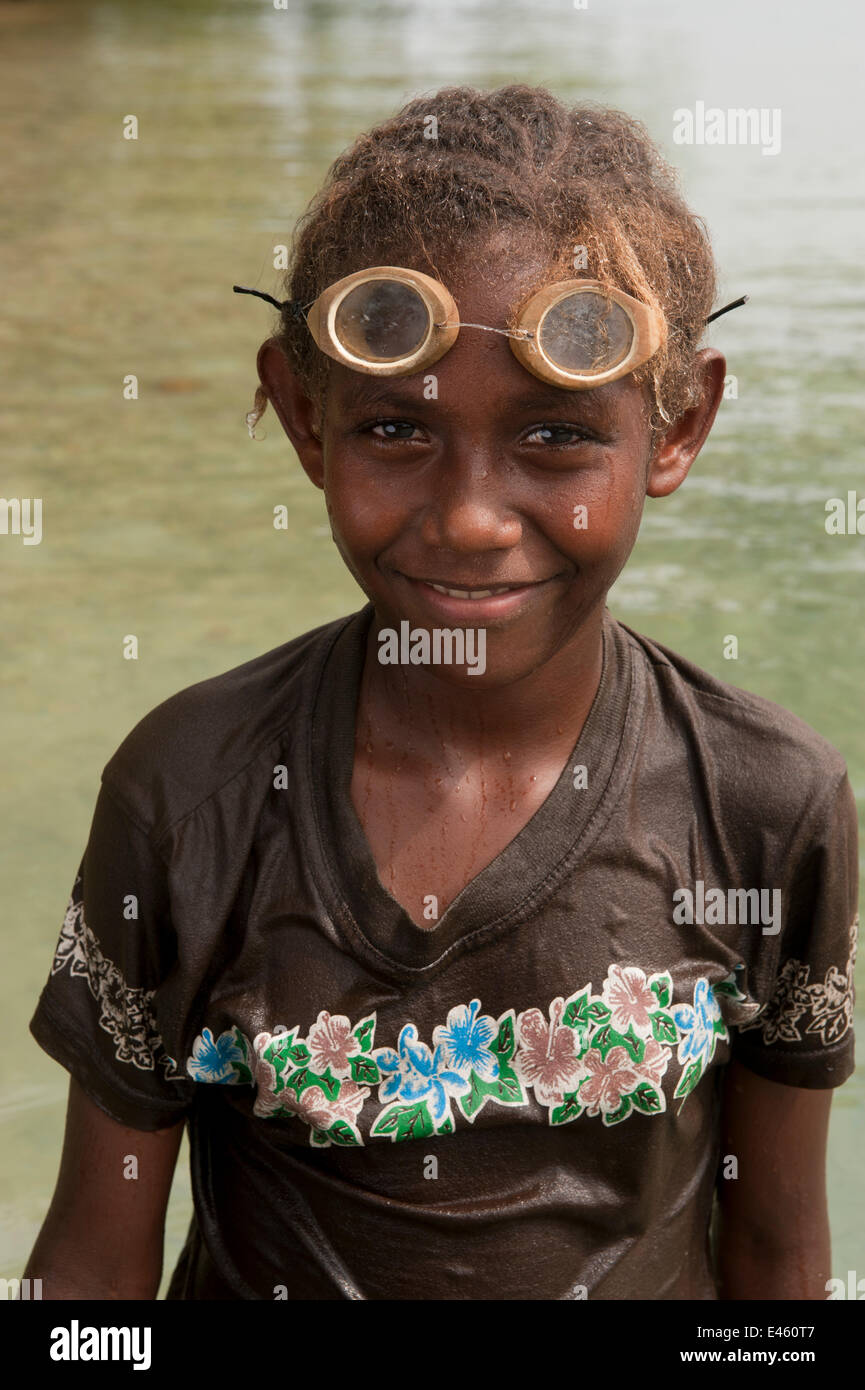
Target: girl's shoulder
<point>203,737</point>
<point>756,748</point>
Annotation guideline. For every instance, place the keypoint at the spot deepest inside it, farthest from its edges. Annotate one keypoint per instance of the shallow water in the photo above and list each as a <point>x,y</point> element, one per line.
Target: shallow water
<point>119,258</point>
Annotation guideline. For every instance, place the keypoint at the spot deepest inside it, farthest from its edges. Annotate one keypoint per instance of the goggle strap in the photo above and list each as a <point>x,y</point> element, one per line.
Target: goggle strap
<point>294,306</point>
<point>736,303</point>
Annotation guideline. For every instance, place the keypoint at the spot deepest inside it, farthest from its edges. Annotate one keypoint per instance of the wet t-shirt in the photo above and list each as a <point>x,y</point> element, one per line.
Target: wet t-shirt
<point>518,1100</point>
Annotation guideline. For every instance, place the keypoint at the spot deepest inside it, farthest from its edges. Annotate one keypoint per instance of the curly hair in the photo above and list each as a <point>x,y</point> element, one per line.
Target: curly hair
<point>514,158</point>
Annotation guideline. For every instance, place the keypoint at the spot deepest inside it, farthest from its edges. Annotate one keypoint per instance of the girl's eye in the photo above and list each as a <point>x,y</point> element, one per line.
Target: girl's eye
<point>560,434</point>
<point>391,429</point>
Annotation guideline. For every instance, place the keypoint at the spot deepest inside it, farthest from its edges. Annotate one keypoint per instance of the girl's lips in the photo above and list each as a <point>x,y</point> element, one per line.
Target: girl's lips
<point>475,611</point>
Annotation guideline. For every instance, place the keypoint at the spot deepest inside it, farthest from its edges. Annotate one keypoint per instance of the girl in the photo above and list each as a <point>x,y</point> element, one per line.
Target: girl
<point>472,979</point>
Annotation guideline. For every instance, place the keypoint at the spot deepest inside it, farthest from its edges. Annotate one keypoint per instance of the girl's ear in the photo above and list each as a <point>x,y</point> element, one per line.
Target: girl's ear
<point>676,450</point>
<point>296,411</point>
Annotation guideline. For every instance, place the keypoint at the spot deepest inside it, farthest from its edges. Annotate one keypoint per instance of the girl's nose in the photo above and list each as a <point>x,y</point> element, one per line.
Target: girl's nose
<point>469,513</point>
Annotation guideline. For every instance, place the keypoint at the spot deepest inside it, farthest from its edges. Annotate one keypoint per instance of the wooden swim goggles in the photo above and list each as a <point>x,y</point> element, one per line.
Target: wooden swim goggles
<point>389,321</point>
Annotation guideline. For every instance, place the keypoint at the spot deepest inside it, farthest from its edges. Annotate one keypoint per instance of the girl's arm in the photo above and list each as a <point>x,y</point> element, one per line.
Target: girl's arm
<point>102,1237</point>
<point>773,1229</point>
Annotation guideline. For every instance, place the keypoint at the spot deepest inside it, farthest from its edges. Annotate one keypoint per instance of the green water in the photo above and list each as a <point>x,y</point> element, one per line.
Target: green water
<point>118,258</point>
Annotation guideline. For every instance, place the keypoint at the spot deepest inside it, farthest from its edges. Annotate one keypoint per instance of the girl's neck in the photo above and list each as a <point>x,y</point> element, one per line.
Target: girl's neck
<point>412,712</point>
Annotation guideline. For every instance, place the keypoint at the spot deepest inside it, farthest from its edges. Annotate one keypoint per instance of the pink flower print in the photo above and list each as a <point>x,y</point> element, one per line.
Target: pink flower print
<point>349,1102</point>
<point>626,993</point>
<point>654,1062</point>
<point>547,1056</point>
<point>311,1106</point>
<point>331,1044</point>
<point>609,1079</point>
<point>267,1102</point>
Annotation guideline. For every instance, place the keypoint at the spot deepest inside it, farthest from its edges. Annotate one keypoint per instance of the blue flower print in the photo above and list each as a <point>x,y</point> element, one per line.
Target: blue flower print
<point>217,1060</point>
<point>418,1074</point>
<point>466,1041</point>
<point>697,1025</point>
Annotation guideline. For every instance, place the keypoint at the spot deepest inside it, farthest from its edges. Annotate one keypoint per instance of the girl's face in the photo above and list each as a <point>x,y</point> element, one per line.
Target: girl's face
<point>476,476</point>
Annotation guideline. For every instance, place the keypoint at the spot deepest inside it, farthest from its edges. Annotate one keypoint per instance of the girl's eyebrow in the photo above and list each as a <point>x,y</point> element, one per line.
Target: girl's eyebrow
<point>560,399</point>
<point>370,392</point>
<point>366,392</point>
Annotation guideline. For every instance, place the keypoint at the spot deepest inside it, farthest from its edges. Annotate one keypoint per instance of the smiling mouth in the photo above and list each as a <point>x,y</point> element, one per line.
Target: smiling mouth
<point>453,591</point>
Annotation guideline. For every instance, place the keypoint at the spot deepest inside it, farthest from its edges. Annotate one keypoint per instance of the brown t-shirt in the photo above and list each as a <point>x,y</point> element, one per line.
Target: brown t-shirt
<point>520,1101</point>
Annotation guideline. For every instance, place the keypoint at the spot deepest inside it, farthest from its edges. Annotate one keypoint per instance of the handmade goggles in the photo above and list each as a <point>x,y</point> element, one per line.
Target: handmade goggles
<point>389,321</point>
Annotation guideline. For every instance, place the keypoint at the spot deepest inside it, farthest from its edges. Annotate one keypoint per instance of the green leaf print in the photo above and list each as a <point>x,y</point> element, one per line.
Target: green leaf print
<point>663,1027</point>
<point>730,986</point>
<point>576,1015</point>
<point>505,1042</point>
<point>577,1018</point>
<point>568,1110</point>
<point>598,1011</point>
<point>633,1043</point>
<point>689,1079</point>
<point>405,1122</point>
<point>447,1127</point>
<point>662,988</point>
<point>328,1083</point>
<point>506,1089</point>
<point>243,1074</point>
<point>299,1080</point>
<point>364,1071</point>
<point>318,1138</point>
<point>646,1099</point>
<point>363,1032</point>
<point>622,1113</point>
<point>302,1078</point>
<point>298,1053</point>
<point>277,1051</point>
<point>605,1039</point>
<point>342,1133</point>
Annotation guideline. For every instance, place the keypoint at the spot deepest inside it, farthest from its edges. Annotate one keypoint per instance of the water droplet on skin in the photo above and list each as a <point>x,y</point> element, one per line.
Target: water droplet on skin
<point>513,805</point>
<point>507,757</point>
<point>369,748</point>
<point>559,729</point>
<point>533,778</point>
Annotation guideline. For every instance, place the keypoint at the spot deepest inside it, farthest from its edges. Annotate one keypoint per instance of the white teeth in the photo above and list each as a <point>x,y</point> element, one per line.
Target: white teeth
<point>468,593</point>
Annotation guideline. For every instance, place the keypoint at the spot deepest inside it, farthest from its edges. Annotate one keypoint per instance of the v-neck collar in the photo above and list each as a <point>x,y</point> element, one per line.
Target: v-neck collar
<point>522,876</point>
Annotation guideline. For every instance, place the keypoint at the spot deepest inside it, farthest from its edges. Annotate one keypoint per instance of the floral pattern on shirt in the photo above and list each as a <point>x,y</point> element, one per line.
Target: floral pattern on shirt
<point>601,1055</point>
<point>221,1060</point>
<point>323,1078</point>
<point>126,1013</point>
<point>822,1009</point>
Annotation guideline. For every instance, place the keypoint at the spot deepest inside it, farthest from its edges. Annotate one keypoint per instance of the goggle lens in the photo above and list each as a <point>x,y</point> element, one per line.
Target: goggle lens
<point>382,321</point>
<point>585,332</point>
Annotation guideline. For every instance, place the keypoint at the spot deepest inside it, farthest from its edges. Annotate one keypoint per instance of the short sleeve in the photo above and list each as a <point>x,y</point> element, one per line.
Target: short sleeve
<point>803,1032</point>
<point>98,1012</point>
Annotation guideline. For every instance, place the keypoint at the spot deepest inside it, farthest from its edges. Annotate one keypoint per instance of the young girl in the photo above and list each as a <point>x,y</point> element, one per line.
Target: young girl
<point>479,941</point>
